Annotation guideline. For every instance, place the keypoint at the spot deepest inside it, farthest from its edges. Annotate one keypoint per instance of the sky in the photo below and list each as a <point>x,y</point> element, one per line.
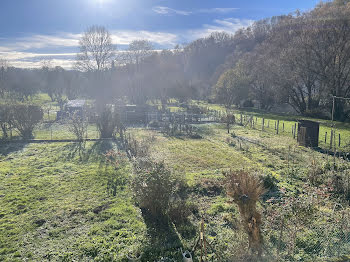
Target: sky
<point>36,30</point>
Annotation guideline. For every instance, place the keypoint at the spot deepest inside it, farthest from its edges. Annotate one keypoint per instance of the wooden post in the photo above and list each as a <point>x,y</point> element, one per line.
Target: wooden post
<point>275,124</point>
<point>241,119</point>
<point>331,140</point>
<point>339,140</point>
<point>283,127</point>
<point>263,123</point>
<point>295,128</point>
<point>325,138</point>
<point>278,124</point>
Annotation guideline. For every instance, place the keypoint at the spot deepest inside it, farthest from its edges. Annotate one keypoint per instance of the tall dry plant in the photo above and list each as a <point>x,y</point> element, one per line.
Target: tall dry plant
<point>246,189</point>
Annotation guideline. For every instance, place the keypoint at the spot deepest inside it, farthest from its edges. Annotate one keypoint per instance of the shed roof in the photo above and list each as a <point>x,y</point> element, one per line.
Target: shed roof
<point>76,103</point>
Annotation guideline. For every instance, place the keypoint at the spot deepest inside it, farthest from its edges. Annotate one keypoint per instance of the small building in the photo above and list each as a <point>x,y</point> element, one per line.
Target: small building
<point>134,114</point>
<point>72,107</point>
<point>308,133</point>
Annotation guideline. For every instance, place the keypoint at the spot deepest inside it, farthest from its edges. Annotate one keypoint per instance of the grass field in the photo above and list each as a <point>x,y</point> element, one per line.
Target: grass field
<point>56,204</point>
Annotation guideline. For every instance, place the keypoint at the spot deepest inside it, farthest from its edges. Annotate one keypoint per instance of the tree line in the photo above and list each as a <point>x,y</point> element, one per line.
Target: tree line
<point>300,59</point>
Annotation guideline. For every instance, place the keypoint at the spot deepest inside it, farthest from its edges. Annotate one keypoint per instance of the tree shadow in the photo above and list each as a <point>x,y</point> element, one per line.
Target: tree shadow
<point>73,149</point>
<point>97,150</point>
<point>163,238</point>
<point>7,148</point>
<point>93,153</point>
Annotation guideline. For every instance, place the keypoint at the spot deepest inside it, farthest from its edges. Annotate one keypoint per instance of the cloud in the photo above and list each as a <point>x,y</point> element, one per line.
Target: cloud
<point>27,52</point>
<point>163,10</point>
<point>19,51</point>
<point>43,41</point>
<point>218,10</point>
<point>161,38</point>
<point>65,63</point>
<point>228,25</point>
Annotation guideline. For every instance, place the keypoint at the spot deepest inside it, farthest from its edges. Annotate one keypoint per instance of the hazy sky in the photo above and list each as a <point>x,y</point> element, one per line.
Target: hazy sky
<point>32,30</point>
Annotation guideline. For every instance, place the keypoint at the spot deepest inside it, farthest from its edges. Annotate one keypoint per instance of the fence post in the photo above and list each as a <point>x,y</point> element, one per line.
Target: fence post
<point>278,124</point>
<point>331,140</point>
<point>263,123</point>
<point>241,119</point>
<point>295,128</point>
<point>339,140</point>
<point>325,138</point>
<point>283,127</point>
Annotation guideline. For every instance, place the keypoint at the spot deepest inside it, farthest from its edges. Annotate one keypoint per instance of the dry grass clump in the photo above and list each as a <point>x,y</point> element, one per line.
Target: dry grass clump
<point>246,189</point>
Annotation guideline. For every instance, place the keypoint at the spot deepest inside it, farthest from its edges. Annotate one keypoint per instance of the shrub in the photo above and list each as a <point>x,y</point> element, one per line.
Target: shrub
<point>108,122</point>
<point>153,185</point>
<point>209,187</point>
<point>5,119</point>
<point>246,189</point>
<point>25,118</point>
<point>229,119</point>
<point>180,210</point>
<point>78,126</point>
<point>137,148</point>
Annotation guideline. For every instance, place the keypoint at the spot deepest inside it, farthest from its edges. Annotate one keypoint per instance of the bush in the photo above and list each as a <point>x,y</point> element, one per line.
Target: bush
<point>229,119</point>
<point>107,123</point>
<point>5,119</point>
<point>209,187</point>
<point>78,126</point>
<point>245,190</point>
<point>153,185</point>
<point>180,210</point>
<point>25,118</point>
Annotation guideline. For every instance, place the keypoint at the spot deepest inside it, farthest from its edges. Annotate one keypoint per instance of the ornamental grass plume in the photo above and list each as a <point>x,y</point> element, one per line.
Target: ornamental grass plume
<point>246,189</point>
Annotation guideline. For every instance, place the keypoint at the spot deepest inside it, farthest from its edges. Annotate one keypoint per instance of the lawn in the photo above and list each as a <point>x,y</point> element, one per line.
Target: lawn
<point>56,206</point>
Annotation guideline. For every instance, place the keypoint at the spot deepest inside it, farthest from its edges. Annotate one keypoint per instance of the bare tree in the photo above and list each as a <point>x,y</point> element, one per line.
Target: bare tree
<point>3,68</point>
<point>78,125</point>
<point>138,50</point>
<point>96,50</point>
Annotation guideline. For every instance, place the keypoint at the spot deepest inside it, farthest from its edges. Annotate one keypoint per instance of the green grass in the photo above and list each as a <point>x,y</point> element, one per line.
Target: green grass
<point>55,206</point>
<point>277,156</point>
<point>288,120</point>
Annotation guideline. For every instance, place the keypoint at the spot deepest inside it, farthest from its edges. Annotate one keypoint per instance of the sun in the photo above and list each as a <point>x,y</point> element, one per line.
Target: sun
<point>102,2</point>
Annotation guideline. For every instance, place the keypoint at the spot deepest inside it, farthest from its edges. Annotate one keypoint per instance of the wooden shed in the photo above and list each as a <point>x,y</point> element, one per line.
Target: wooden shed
<point>308,133</point>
